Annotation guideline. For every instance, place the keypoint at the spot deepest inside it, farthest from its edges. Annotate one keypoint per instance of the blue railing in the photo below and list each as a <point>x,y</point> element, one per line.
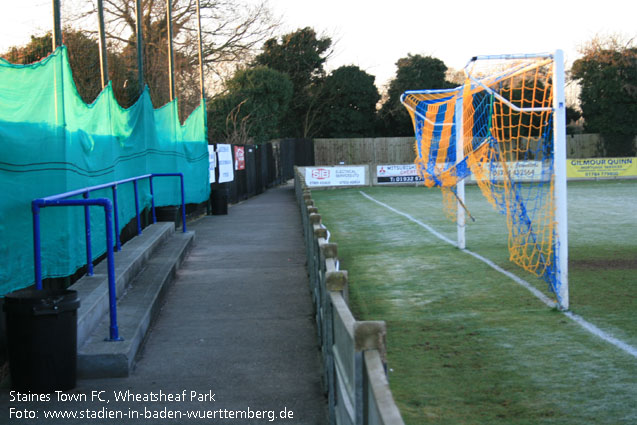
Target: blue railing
<point>110,209</point>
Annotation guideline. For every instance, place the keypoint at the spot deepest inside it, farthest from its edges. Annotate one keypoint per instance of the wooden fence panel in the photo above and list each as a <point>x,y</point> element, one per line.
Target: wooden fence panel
<point>385,150</point>
<point>400,150</point>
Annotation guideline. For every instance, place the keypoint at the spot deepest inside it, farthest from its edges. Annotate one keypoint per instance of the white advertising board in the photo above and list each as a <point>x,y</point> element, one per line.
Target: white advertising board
<point>336,176</point>
<point>226,166</point>
<point>212,161</point>
<point>401,173</point>
<point>521,171</point>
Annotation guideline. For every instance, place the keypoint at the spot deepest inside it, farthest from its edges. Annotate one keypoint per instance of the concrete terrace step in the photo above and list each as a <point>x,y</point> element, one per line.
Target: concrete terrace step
<point>93,290</point>
<point>136,308</point>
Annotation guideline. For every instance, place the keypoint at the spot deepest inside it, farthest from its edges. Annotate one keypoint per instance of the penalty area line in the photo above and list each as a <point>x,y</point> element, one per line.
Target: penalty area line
<point>629,349</point>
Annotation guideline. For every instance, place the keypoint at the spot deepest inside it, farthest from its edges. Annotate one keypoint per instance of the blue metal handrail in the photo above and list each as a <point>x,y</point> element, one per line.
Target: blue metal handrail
<point>110,208</point>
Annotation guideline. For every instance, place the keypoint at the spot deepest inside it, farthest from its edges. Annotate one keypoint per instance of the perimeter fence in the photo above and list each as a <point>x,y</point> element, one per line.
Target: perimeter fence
<point>353,352</point>
<point>266,165</point>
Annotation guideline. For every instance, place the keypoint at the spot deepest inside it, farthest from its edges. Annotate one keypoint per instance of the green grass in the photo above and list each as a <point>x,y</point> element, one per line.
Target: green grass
<point>467,345</point>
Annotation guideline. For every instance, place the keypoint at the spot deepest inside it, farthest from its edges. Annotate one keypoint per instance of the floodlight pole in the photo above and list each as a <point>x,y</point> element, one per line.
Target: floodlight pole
<point>201,78</point>
<point>559,159</point>
<point>57,25</point>
<point>171,54</point>
<point>102,43</point>
<point>58,77</point>
<point>140,44</point>
<point>460,213</point>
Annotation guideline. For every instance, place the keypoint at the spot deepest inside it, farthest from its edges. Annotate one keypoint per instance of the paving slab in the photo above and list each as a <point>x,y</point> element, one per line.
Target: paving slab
<point>235,339</point>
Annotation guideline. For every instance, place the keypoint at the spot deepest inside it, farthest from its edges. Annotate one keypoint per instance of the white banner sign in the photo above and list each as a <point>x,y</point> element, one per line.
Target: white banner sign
<point>521,171</point>
<point>401,173</point>
<point>212,161</point>
<point>226,173</point>
<point>335,176</point>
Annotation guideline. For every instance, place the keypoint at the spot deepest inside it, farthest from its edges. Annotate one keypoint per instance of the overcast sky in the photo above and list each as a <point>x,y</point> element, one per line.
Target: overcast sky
<point>374,34</point>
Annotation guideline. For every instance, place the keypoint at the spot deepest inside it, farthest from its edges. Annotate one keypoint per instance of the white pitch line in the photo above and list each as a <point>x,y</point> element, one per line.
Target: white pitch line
<point>537,293</point>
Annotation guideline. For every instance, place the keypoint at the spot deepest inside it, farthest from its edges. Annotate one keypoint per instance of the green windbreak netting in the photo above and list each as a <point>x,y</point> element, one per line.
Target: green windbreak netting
<point>52,142</point>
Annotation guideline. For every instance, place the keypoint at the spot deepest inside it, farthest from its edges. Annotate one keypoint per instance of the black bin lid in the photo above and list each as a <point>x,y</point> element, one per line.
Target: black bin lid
<point>39,302</point>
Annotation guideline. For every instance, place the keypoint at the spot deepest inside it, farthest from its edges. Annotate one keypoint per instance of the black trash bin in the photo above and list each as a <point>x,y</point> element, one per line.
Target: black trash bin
<point>220,200</point>
<point>41,331</point>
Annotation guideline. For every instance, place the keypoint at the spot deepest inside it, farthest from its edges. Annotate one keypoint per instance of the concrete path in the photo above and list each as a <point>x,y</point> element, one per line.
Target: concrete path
<point>235,341</point>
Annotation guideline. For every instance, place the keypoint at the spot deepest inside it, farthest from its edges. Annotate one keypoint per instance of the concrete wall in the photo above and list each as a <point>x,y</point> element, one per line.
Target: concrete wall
<point>352,351</point>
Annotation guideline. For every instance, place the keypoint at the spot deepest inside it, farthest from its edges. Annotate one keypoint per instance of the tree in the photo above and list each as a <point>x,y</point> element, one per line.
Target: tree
<point>349,109</point>
<point>83,55</point>
<point>156,75</point>
<point>415,72</point>
<point>253,107</point>
<point>231,31</point>
<point>36,49</point>
<point>573,115</point>
<point>607,73</point>
<point>301,55</point>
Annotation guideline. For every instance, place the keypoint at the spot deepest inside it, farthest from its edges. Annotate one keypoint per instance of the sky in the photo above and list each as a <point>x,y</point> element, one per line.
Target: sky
<point>374,34</point>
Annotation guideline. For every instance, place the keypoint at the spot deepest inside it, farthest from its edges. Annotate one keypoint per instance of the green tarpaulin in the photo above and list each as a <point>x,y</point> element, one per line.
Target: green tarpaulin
<point>52,142</point>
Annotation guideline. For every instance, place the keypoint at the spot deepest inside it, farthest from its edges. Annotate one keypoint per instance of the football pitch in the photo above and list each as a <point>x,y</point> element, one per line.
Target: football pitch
<point>471,338</point>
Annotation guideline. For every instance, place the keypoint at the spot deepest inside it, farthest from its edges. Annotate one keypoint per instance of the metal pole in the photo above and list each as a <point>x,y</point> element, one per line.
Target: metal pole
<point>171,55</point>
<point>118,242</point>
<point>559,164</point>
<point>58,80</point>
<point>87,229</point>
<point>57,25</point>
<point>459,156</point>
<point>37,250</point>
<point>139,224</point>
<point>140,44</point>
<point>201,82</point>
<point>112,290</point>
<point>102,43</point>
<point>183,203</point>
<point>152,199</point>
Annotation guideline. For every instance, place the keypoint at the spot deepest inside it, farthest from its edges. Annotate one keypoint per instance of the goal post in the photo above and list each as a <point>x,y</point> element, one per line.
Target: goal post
<point>561,209</point>
<point>460,215</point>
<point>505,128</point>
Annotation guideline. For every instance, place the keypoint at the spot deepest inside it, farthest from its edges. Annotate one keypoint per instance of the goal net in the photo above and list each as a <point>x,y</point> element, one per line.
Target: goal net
<point>504,128</point>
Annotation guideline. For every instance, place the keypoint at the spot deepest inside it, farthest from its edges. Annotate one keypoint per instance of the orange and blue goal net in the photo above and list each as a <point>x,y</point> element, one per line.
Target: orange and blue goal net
<point>497,129</point>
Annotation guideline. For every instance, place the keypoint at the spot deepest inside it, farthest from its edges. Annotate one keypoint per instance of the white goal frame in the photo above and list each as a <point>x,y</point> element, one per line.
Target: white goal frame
<point>559,163</point>
<point>558,109</point>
